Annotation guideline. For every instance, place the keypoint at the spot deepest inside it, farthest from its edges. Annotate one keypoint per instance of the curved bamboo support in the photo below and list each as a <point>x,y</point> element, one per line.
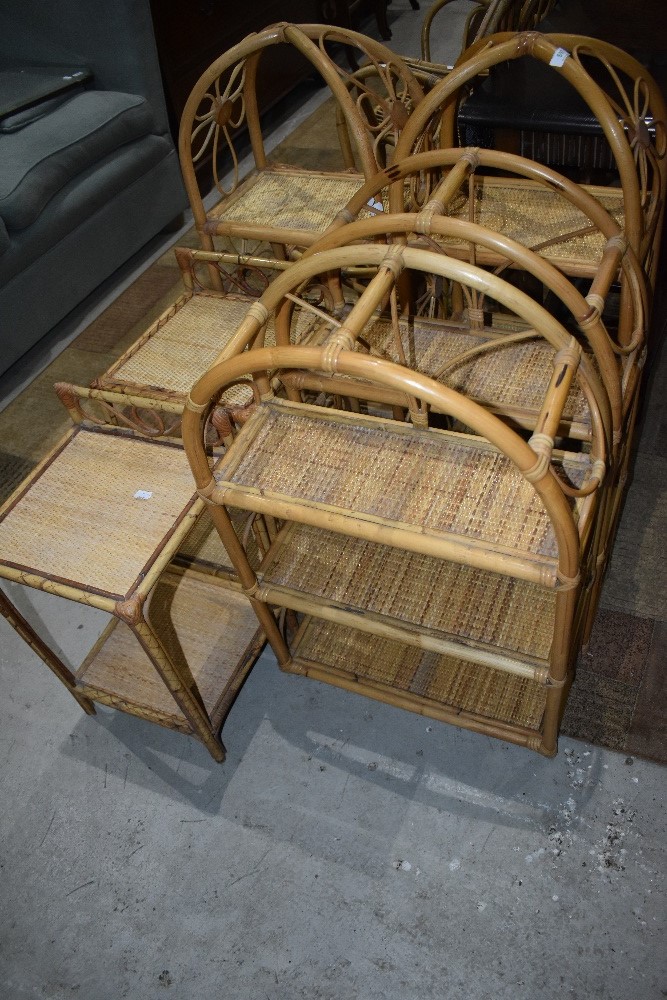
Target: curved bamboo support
<point>587,317</point>
<point>488,52</point>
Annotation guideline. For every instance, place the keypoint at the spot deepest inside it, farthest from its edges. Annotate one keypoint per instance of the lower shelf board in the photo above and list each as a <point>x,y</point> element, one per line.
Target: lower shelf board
<point>208,630</point>
<point>441,687</point>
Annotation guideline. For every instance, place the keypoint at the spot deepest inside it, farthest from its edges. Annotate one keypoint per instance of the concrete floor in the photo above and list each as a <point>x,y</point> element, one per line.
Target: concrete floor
<point>346,849</point>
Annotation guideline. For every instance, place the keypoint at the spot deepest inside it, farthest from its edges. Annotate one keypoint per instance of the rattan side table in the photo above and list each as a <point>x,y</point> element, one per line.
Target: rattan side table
<point>100,521</point>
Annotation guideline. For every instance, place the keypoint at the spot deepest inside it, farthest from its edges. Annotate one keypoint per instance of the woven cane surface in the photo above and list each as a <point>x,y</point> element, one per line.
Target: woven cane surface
<point>515,375</point>
<point>532,216</point>
<point>483,607</point>
<point>203,543</point>
<point>80,520</point>
<point>205,629</point>
<point>289,199</point>
<point>439,481</point>
<point>188,344</point>
<point>443,679</point>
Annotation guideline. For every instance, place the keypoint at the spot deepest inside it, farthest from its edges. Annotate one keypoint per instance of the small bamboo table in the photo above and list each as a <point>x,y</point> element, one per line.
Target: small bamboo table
<point>101,521</point>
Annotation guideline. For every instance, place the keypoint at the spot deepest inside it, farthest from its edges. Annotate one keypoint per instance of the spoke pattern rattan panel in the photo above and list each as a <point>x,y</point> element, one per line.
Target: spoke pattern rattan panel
<point>443,482</point>
<point>498,611</point>
<point>532,216</point>
<point>289,200</point>
<point>443,679</point>
<point>512,375</point>
<point>80,522</point>
<point>187,345</point>
<point>206,630</point>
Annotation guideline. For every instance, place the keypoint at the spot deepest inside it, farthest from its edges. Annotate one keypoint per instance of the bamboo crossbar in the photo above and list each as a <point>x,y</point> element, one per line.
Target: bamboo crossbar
<point>411,635</point>
<point>522,736</point>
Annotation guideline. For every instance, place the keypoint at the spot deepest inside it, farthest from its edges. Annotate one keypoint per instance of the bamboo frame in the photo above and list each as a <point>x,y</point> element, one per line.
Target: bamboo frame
<point>391,375</point>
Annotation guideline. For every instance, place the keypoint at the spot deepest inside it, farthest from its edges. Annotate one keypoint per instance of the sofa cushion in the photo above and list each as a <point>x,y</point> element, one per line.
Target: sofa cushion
<point>12,123</point>
<point>37,161</point>
<point>99,185</point>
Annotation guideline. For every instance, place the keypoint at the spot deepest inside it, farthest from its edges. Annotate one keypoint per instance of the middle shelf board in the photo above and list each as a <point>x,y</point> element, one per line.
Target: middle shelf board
<point>482,617</point>
<point>438,492</point>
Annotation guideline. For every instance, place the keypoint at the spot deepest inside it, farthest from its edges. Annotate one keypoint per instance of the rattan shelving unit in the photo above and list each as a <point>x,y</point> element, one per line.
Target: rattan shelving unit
<point>429,568</point>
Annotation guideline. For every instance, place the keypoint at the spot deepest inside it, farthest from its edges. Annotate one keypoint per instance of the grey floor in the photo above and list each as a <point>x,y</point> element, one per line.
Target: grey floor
<point>345,849</point>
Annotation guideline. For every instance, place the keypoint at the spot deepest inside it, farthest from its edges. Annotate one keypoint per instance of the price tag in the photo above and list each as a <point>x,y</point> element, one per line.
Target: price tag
<point>559,57</point>
<point>143,495</point>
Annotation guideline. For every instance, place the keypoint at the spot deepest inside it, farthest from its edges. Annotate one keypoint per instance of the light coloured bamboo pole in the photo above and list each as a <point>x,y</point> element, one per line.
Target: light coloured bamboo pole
<point>189,701</point>
<point>410,635</point>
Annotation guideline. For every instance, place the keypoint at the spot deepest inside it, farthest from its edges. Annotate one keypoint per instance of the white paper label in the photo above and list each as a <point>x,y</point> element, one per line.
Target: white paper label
<point>377,205</point>
<point>559,57</point>
<point>142,495</point>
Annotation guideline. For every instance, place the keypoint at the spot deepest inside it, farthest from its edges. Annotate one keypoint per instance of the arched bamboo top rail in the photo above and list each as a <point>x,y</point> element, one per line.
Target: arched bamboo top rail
<point>309,41</point>
<point>587,314</point>
<point>388,259</point>
<point>389,375</point>
<point>470,29</point>
<point>473,157</point>
<point>423,163</point>
<point>488,52</point>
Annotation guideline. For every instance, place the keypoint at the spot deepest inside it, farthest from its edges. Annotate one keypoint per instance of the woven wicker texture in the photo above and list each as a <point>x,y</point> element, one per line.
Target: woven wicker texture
<point>80,522</point>
<point>532,215</point>
<point>487,608</point>
<point>514,375</point>
<point>446,680</point>
<point>442,482</point>
<point>203,544</point>
<point>289,199</point>
<point>184,347</point>
<point>205,629</point>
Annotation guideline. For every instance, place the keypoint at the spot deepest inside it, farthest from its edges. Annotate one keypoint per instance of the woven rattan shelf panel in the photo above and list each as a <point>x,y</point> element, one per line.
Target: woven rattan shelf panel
<point>512,377</point>
<point>534,216</point>
<point>512,616</point>
<point>202,546</point>
<point>209,631</point>
<point>78,520</point>
<point>441,686</point>
<point>419,481</point>
<point>289,199</point>
<point>175,351</point>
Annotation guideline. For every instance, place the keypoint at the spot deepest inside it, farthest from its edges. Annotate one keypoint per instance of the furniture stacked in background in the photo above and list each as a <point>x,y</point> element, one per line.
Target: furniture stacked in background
<point>89,170</point>
<point>412,446</point>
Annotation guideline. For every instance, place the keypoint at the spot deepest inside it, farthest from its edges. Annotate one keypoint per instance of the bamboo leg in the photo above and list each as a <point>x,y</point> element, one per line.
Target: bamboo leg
<point>188,701</point>
<point>248,580</point>
<point>38,646</point>
<point>558,670</point>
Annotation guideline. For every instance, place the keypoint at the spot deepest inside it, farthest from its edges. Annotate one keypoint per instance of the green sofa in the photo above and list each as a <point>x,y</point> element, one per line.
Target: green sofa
<point>88,169</point>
